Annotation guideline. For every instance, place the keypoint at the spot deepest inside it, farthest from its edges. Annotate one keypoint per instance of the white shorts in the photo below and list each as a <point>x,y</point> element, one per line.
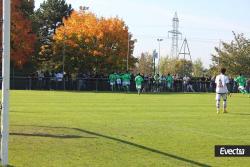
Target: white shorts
<point>112,83</point>
<point>125,83</point>
<point>219,96</point>
<point>138,86</point>
<point>241,88</point>
<point>119,81</point>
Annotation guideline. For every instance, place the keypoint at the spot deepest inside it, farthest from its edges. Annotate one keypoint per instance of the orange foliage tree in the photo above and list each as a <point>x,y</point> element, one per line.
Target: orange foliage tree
<point>92,44</point>
<point>22,38</point>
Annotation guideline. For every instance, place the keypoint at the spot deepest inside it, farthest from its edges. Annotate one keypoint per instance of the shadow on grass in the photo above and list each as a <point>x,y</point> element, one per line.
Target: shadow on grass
<point>144,147</point>
<point>49,135</point>
<point>192,162</point>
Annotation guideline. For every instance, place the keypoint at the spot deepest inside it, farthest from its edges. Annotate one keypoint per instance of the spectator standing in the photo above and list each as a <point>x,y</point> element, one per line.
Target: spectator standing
<point>59,81</point>
<point>40,76</point>
<point>185,80</point>
<point>203,84</point>
<point>189,85</point>
<point>156,83</point>
<point>74,81</point>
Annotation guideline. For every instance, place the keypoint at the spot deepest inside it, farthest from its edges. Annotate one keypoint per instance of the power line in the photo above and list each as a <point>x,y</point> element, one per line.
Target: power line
<point>194,39</point>
<point>187,28</point>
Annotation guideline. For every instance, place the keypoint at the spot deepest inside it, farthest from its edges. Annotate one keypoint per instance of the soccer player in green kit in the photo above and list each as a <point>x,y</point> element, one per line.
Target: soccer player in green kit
<point>118,81</point>
<point>138,83</point>
<point>126,81</point>
<point>170,81</point>
<point>112,80</point>
<point>241,80</point>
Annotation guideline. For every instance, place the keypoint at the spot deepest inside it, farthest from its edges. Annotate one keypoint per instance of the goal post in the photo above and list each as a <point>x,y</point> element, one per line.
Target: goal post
<point>5,81</point>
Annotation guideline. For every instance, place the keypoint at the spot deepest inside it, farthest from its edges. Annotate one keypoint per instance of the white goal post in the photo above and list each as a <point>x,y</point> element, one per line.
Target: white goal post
<point>5,81</point>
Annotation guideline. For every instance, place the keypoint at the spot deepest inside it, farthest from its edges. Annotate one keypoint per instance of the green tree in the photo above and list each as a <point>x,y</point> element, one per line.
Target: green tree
<point>167,65</point>
<point>235,56</point>
<point>145,64</point>
<point>198,69</point>
<point>176,66</point>
<point>213,71</point>
<point>47,18</point>
<point>51,14</point>
<point>27,7</point>
<point>183,67</point>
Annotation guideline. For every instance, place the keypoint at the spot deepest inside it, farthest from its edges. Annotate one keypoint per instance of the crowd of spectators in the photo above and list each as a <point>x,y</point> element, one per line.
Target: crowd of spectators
<point>57,80</point>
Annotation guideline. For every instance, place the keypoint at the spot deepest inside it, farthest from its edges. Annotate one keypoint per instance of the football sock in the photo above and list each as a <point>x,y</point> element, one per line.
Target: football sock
<point>243,91</point>
<point>218,106</point>
<point>225,104</point>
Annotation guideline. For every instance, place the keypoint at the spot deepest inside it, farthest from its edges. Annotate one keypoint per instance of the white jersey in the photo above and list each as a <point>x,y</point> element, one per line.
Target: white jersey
<point>221,84</point>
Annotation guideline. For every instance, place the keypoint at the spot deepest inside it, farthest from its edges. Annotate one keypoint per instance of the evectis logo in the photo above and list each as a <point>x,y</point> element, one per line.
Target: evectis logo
<point>232,151</point>
<point>237,151</point>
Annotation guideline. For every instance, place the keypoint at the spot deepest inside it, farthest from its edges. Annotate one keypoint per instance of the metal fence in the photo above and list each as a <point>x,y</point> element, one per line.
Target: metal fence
<point>102,84</point>
<point>87,84</point>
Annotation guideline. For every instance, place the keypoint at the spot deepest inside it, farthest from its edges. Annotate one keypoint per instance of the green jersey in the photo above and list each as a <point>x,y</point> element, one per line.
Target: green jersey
<point>112,77</point>
<point>241,80</point>
<point>169,79</point>
<point>126,77</point>
<point>138,80</point>
<point>118,76</point>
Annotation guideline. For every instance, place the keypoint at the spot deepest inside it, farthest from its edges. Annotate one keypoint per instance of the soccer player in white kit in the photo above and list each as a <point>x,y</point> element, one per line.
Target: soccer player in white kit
<point>221,90</point>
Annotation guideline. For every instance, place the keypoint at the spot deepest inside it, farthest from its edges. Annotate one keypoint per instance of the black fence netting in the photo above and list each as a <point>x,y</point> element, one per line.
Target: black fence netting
<point>102,84</point>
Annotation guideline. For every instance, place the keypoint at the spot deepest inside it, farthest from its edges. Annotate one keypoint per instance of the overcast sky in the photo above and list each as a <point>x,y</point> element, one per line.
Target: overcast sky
<point>203,23</point>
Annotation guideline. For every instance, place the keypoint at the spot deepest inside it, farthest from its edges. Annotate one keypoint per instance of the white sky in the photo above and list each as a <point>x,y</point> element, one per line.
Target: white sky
<point>203,23</point>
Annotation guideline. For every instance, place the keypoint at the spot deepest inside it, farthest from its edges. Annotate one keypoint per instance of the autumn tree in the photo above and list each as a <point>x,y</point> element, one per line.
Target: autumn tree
<point>22,37</point>
<point>92,44</point>
<point>114,44</point>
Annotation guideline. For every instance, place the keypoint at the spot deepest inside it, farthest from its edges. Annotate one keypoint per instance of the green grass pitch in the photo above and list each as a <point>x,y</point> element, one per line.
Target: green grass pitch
<point>71,129</point>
